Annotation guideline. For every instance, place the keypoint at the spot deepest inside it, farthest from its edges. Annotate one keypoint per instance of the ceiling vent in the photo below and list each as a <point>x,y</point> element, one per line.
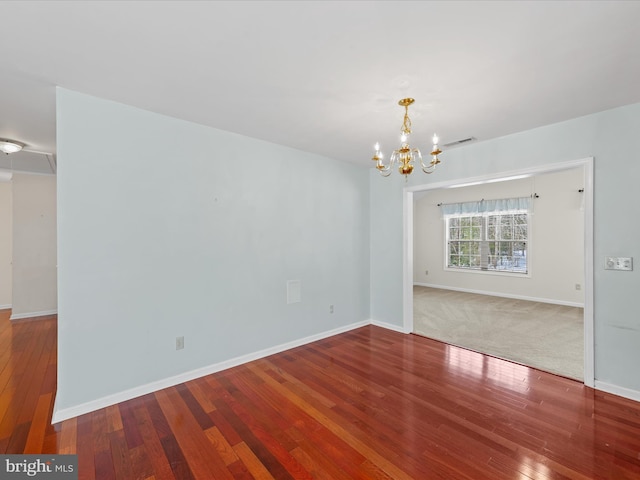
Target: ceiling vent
<point>460,142</point>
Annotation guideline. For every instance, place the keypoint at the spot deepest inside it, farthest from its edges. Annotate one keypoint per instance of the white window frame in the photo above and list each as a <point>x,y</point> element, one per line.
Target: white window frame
<point>484,244</point>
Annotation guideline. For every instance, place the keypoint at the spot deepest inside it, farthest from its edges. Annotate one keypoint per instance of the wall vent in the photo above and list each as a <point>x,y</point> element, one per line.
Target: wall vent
<point>460,142</point>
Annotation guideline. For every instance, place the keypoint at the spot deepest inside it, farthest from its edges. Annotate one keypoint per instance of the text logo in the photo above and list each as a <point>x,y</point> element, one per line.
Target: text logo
<point>51,467</point>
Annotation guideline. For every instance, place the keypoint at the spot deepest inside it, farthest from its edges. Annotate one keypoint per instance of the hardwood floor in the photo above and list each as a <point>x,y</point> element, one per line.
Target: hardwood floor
<point>366,404</point>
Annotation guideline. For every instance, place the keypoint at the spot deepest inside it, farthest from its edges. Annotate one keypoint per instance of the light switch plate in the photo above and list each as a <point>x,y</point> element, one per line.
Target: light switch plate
<point>618,263</point>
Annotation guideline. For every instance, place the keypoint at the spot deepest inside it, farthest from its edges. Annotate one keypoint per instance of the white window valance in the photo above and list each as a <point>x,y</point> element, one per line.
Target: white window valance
<point>519,204</point>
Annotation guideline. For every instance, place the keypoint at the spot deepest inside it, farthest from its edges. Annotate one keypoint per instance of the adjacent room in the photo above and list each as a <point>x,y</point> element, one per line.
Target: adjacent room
<point>320,240</point>
<point>499,268</point>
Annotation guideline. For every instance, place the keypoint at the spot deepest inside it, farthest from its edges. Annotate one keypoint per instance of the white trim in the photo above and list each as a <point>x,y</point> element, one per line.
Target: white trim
<point>407,260</point>
<point>25,172</point>
<point>477,270</point>
<point>503,295</point>
<point>589,292</point>
<point>5,307</point>
<point>587,165</point>
<point>389,326</point>
<point>616,390</point>
<point>71,412</point>
<point>553,167</point>
<point>19,316</point>
<point>494,273</point>
<point>77,410</point>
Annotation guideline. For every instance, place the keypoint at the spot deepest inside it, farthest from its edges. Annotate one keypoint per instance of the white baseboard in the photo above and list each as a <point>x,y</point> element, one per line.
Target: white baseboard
<point>5,307</point>
<point>389,326</point>
<point>66,413</point>
<point>77,410</point>
<point>19,316</point>
<point>616,390</point>
<point>504,295</point>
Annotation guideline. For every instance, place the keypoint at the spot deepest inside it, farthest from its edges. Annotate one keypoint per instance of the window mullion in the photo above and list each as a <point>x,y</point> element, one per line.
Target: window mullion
<point>484,245</point>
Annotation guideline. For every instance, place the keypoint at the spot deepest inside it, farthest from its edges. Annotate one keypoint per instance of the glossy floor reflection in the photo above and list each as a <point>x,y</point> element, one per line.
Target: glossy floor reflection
<point>369,403</point>
<point>545,336</point>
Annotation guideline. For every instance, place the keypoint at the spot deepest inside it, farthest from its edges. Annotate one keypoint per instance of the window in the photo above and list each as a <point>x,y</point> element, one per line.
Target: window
<point>495,240</point>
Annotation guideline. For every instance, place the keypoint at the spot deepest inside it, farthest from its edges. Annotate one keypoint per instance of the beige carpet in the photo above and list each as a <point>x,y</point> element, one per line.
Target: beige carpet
<point>541,335</point>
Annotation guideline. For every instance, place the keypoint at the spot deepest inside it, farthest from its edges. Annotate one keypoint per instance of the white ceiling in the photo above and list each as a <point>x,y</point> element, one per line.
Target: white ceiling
<point>322,76</point>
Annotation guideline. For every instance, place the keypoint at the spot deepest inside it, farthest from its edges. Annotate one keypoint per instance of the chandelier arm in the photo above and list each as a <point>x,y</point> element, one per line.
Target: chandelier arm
<point>395,158</point>
<point>430,167</point>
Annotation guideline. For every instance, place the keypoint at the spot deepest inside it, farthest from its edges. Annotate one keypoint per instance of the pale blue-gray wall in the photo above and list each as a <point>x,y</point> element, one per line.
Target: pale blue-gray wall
<point>613,139</point>
<point>167,228</point>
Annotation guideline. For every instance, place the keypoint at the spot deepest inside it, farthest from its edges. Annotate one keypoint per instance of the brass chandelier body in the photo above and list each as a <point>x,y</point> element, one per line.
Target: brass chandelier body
<point>406,156</point>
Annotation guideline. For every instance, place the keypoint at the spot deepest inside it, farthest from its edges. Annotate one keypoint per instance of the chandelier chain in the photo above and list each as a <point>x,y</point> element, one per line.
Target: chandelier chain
<point>406,125</point>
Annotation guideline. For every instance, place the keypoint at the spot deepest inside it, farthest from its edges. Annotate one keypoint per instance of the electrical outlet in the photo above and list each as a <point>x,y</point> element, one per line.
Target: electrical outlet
<point>578,286</point>
<point>179,343</point>
<point>426,272</point>
<point>330,308</point>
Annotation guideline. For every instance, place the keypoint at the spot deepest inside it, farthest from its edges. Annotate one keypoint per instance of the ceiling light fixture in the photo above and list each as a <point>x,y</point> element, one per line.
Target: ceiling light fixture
<point>405,156</point>
<point>10,146</point>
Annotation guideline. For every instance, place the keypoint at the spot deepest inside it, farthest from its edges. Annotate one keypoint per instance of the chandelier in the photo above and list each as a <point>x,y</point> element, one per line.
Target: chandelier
<point>405,156</point>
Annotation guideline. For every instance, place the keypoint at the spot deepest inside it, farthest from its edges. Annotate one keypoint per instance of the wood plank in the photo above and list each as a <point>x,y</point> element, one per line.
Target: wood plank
<point>195,407</point>
<point>85,450</point>
<point>99,426</point>
<point>260,450</point>
<point>69,437</point>
<point>113,419</point>
<point>204,462</point>
<point>18,438</point>
<point>41,417</point>
<point>152,444</point>
<point>103,464</point>
<point>129,424</point>
<point>120,454</point>
<point>141,464</point>
<point>261,427</point>
<point>176,459</point>
<point>221,445</point>
<point>199,390</point>
<point>253,464</point>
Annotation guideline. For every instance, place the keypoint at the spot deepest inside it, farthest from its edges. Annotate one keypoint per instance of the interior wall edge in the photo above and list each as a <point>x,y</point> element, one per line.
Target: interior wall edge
<point>389,326</point>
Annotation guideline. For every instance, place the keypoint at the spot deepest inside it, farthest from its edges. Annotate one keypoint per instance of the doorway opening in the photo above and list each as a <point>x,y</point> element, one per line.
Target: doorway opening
<point>585,167</point>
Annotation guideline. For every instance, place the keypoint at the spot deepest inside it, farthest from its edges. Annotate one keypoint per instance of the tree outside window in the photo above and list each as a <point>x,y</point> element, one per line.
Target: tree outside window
<point>495,241</point>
